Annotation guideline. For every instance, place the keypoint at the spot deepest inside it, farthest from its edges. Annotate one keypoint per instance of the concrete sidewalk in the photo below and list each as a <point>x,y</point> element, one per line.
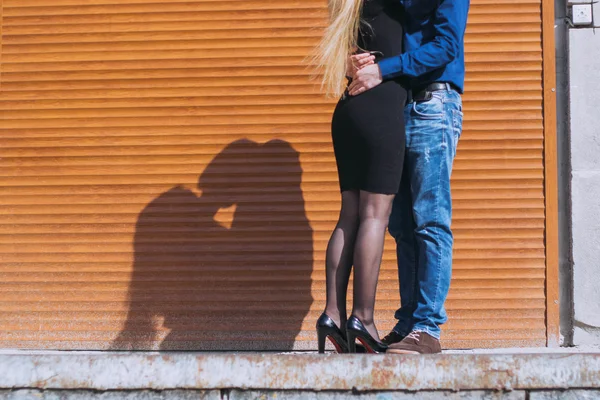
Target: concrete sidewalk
<point>522,372</point>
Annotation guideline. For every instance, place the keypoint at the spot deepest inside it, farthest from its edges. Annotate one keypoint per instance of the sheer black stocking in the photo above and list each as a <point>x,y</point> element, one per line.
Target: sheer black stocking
<point>339,256</point>
<point>374,213</point>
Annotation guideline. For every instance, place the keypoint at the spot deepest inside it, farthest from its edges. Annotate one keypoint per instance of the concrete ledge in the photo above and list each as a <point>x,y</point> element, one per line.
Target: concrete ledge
<point>252,371</point>
<point>36,394</point>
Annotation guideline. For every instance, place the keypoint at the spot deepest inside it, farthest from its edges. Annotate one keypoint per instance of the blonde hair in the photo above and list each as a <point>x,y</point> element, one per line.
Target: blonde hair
<point>337,44</point>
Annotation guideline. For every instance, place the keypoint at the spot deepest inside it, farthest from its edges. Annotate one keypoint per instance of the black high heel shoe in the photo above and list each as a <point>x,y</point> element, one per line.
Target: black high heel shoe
<point>326,328</point>
<point>356,330</point>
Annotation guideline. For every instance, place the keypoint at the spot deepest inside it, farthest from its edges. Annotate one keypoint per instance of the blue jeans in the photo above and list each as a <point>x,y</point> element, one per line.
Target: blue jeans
<point>422,212</point>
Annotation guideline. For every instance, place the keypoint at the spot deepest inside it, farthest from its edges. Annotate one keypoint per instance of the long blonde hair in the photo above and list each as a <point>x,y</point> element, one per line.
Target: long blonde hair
<point>338,42</point>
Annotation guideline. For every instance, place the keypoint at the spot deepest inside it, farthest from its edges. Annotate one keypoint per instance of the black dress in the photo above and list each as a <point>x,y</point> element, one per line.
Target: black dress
<point>368,129</point>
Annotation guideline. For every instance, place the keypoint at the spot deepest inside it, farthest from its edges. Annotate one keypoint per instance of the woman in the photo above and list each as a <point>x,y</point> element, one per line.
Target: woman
<point>368,139</point>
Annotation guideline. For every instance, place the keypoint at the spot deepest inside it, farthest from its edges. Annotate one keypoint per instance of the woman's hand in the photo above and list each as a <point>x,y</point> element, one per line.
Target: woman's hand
<point>365,79</point>
<point>357,62</point>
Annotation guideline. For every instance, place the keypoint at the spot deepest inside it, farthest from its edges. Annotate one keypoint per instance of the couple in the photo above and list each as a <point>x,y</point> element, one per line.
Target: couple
<point>395,132</point>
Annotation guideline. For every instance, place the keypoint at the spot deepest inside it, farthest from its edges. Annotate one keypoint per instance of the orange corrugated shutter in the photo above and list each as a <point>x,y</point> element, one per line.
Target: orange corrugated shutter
<point>168,182</point>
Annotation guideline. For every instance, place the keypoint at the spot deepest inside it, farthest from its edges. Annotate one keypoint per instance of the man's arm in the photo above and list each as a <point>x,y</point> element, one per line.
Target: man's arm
<point>450,21</point>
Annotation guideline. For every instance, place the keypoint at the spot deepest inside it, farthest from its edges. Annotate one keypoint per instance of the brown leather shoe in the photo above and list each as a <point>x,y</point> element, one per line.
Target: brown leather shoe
<point>392,337</point>
<point>416,342</point>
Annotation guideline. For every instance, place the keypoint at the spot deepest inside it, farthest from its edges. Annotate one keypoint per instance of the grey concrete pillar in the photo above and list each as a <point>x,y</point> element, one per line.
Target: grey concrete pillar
<point>584,65</point>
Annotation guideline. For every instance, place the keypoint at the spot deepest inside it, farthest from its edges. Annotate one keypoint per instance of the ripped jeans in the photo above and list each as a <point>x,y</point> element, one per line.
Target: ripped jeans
<point>422,212</point>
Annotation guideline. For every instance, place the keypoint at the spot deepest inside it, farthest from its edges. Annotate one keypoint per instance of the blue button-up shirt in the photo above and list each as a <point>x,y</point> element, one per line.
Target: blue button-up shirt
<point>434,33</point>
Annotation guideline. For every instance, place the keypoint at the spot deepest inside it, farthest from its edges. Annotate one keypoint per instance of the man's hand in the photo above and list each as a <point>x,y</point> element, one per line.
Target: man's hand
<point>365,79</point>
<point>358,61</point>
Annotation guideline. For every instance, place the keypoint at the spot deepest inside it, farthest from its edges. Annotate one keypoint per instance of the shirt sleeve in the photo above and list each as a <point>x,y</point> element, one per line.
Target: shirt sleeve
<point>450,21</point>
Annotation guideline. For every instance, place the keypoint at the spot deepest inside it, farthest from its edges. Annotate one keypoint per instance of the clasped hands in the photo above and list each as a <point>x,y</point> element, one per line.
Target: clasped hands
<point>364,72</point>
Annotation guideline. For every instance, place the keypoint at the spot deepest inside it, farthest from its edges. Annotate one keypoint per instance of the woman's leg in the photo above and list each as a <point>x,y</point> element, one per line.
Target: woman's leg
<point>339,255</point>
<point>374,214</point>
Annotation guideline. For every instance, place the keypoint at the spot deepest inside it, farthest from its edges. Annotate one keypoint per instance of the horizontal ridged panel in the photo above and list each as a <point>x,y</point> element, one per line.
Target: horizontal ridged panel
<point>132,217</point>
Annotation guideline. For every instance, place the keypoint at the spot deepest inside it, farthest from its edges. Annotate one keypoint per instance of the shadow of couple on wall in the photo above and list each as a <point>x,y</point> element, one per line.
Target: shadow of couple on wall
<point>242,284</point>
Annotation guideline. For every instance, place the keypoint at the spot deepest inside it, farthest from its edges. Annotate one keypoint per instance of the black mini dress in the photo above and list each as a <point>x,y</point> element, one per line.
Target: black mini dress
<point>368,130</point>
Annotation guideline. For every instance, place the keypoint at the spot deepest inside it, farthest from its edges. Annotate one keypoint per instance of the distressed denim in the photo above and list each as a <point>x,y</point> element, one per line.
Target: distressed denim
<point>422,212</point>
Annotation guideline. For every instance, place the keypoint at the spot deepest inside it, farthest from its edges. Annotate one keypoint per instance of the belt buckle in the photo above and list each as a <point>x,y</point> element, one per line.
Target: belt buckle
<point>423,95</point>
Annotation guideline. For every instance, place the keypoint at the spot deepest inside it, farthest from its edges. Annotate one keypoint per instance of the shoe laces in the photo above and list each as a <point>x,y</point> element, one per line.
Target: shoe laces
<point>415,335</point>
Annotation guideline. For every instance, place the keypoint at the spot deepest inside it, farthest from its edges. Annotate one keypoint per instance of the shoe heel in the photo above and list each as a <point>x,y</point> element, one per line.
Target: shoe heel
<point>322,336</point>
<point>356,330</point>
<point>351,342</point>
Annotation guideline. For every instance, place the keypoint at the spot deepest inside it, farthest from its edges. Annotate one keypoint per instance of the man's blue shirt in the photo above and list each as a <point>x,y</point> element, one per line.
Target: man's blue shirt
<point>434,33</point>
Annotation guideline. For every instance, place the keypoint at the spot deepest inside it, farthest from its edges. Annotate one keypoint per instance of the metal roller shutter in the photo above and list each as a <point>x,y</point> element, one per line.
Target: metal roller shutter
<point>167,177</point>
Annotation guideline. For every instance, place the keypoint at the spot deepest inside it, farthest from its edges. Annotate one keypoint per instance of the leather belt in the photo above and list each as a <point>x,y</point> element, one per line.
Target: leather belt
<point>426,93</point>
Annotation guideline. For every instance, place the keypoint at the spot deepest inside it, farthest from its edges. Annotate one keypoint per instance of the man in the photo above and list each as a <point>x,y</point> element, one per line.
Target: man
<point>433,64</point>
